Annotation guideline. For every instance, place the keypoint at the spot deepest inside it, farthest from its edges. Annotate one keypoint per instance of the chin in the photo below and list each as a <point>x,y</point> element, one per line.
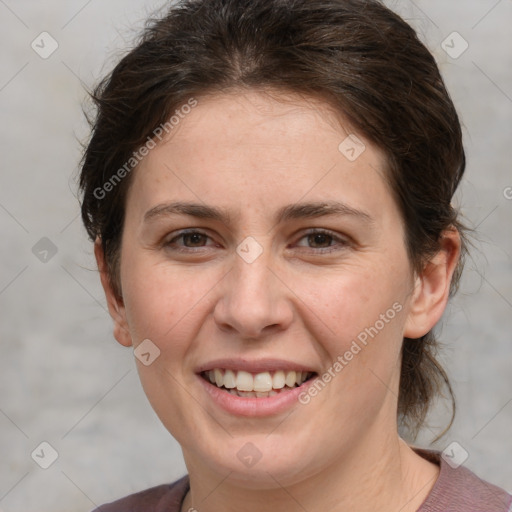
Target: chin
<point>260,462</point>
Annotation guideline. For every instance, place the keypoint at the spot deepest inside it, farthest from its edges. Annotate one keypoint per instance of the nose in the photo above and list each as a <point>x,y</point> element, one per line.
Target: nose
<point>254,300</point>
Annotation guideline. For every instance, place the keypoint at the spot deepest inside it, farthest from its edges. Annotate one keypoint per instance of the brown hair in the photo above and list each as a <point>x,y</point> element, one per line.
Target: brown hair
<point>357,55</point>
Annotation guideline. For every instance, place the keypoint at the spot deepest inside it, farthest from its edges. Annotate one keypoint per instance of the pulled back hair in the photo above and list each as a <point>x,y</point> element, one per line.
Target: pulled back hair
<point>357,55</point>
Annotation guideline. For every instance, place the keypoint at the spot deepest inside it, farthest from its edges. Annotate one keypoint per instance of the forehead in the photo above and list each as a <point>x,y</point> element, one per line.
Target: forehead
<point>255,118</point>
<point>268,148</point>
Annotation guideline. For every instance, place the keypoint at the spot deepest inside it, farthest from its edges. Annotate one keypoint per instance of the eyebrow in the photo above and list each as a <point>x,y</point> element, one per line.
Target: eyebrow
<point>294,211</point>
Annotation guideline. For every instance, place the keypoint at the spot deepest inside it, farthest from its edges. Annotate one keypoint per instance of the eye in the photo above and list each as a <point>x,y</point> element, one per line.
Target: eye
<point>192,239</point>
<point>323,241</point>
<point>318,240</point>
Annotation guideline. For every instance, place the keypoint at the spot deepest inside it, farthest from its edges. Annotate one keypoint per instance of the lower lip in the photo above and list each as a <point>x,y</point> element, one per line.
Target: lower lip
<point>252,407</point>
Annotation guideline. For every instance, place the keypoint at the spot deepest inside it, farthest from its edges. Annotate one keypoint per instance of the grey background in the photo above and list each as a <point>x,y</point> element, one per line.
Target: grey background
<point>63,378</point>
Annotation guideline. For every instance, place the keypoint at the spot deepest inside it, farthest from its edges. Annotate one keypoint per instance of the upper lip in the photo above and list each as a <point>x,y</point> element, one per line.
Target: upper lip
<point>254,366</point>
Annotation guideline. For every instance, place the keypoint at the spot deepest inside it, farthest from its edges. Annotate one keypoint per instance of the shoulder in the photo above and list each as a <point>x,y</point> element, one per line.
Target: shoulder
<point>166,498</point>
<point>459,489</point>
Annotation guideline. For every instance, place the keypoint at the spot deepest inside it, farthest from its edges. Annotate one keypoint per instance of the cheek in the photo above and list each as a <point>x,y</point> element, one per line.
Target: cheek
<point>162,300</point>
<point>344,305</point>
<point>357,319</point>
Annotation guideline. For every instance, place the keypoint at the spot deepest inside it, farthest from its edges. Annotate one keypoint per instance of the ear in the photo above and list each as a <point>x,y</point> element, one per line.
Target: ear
<point>115,303</point>
<point>432,287</point>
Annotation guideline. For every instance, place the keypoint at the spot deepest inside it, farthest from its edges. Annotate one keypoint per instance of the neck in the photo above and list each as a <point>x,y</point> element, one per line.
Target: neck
<point>384,476</point>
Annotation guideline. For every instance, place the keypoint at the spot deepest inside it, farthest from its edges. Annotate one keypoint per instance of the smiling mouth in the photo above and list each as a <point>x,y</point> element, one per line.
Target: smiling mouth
<point>256,385</point>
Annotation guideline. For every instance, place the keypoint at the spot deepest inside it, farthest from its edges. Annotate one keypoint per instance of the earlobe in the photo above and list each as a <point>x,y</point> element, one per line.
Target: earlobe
<point>432,287</point>
<point>114,302</point>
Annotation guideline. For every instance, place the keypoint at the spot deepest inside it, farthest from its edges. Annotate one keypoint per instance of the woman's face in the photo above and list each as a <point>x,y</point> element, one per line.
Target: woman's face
<point>261,240</point>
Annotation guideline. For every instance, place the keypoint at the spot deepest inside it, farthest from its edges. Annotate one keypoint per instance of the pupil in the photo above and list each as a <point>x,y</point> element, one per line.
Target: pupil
<point>320,238</point>
<point>194,238</point>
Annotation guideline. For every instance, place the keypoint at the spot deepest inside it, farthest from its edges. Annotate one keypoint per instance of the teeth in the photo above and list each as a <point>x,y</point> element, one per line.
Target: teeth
<point>279,380</point>
<point>255,394</point>
<point>229,379</point>
<point>290,379</point>
<point>244,381</point>
<point>260,385</point>
<point>262,382</point>
<point>218,377</point>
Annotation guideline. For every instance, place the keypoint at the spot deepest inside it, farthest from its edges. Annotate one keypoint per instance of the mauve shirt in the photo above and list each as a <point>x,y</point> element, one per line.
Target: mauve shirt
<point>456,490</point>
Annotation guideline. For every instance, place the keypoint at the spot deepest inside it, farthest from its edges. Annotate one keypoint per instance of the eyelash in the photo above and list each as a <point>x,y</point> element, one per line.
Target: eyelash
<point>334,238</point>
